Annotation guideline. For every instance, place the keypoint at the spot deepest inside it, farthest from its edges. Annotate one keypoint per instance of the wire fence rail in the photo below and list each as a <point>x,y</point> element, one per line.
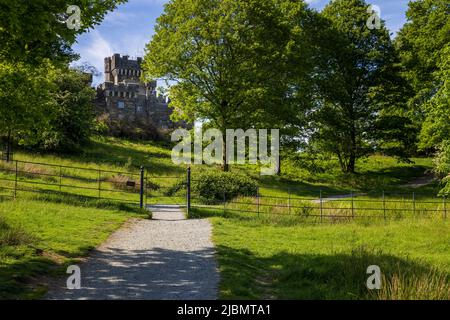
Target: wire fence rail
<point>141,187</point>
<point>325,206</point>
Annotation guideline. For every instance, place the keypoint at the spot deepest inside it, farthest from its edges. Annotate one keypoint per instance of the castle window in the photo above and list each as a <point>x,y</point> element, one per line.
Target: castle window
<point>139,109</point>
<point>121,105</point>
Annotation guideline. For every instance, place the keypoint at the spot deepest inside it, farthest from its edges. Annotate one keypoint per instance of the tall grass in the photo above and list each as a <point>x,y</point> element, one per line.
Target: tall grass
<point>433,285</point>
<point>13,236</point>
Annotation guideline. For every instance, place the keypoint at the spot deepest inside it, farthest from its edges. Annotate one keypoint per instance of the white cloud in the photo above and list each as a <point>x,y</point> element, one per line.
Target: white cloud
<point>94,50</point>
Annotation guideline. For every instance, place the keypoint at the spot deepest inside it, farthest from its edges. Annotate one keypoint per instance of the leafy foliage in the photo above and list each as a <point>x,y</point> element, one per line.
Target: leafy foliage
<point>212,186</point>
<point>74,113</point>
<point>25,99</point>
<point>231,59</point>
<point>31,31</point>
<point>424,43</point>
<point>354,83</point>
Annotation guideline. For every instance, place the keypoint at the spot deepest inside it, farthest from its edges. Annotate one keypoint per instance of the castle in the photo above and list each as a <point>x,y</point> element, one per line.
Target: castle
<point>123,96</point>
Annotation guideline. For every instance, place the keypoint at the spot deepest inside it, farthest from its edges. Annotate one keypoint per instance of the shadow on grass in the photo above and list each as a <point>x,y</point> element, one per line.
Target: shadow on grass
<point>286,275</point>
<point>19,262</point>
<point>17,277</point>
<point>119,155</point>
<point>114,153</point>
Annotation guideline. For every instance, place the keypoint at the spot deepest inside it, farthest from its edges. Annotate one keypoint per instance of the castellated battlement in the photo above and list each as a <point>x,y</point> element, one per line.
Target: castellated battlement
<point>124,96</point>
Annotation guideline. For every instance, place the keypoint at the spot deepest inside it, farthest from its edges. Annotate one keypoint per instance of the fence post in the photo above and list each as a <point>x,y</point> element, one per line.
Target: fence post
<point>15,180</point>
<point>141,191</point>
<point>353,206</point>
<point>224,202</point>
<point>289,200</point>
<point>445,206</point>
<point>146,191</point>
<point>257,199</point>
<point>99,183</point>
<point>60,179</point>
<point>384,206</point>
<point>188,191</point>
<point>321,206</point>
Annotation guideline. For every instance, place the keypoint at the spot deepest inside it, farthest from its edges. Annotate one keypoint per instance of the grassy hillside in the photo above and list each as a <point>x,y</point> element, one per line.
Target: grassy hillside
<point>41,233</point>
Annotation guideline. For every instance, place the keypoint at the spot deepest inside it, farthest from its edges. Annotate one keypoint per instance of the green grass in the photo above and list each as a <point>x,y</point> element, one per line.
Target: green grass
<point>273,256</point>
<point>375,172</point>
<point>41,237</point>
<point>261,259</point>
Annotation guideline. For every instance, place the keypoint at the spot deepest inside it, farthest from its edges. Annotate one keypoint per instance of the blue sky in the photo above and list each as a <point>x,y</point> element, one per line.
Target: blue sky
<point>130,27</point>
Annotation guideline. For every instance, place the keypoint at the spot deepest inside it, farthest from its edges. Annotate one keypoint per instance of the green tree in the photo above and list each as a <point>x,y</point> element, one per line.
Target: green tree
<point>354,80</point>
<point>33,36</point>
<point>33,30</point>
<point>71,124</point>
<point>231,59</point>
<point>421,42</point>
<point>25,100</point>
<point>424,43</point>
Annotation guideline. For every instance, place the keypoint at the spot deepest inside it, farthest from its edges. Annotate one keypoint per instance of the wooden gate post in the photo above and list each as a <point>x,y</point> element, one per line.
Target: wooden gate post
<point>141,191</point>
<point>188,191</point>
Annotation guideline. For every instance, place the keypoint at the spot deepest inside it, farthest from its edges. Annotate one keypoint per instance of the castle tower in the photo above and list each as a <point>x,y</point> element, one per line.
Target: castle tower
<point>124,96</point>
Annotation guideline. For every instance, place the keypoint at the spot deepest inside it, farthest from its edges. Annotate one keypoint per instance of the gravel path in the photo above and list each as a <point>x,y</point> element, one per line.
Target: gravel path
<point>168,257</point>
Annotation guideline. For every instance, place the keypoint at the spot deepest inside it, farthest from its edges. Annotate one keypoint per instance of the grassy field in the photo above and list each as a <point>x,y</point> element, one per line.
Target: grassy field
<point>281,254</point>
<point>40,237</point>
<point>261,258</point>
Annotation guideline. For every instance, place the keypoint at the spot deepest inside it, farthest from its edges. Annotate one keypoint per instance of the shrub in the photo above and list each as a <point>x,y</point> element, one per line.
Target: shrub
<point>210,187</point>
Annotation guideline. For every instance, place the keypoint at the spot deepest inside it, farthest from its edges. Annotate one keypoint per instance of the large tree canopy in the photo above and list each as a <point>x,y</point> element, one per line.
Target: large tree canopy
<point>32,30</point>
<point>231,59</point>
<point>424,43</point>
<point>355,80</point>
<point>421,42</point>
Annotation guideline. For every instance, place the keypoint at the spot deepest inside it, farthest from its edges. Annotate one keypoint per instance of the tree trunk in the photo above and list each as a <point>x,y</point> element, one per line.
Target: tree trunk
<point>279,166</point>
<point>351,163</point>
<point>353,149</point>
<point>223,129</point>
<point>341,162</point>
<point>225,165</point>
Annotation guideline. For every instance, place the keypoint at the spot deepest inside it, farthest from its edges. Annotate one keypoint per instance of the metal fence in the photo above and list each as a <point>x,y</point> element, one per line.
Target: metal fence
<point>325,205</point>
<point>141,187</point>
<point>45,178</point>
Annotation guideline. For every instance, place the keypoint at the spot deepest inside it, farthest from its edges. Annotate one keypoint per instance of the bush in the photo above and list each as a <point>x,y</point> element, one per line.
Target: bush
<point>210,187</point>
<point>442,166</point>
<point>134,129</point>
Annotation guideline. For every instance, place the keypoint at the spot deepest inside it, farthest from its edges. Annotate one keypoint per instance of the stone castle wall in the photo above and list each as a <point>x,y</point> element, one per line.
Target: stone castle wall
<point>125,97</point>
